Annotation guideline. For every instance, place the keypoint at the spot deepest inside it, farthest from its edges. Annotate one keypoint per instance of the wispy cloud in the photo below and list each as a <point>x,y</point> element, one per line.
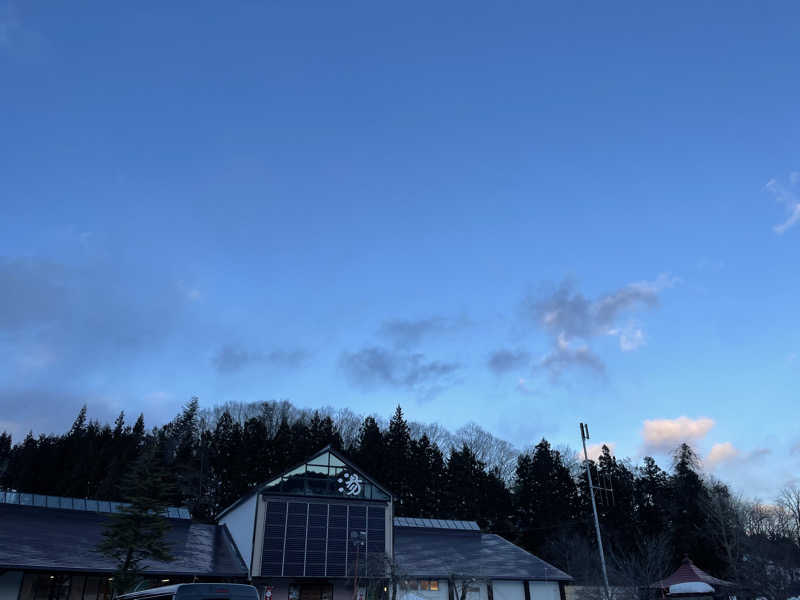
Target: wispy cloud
<point>411,371</point>
<point>631,337</point>
<point>525,387</point>
<point>406,333</point>
<point>231,358</point>
<point>788,196</point>
<point>567,315</point>
<point>563,356</point>
<point>726,453</point>
<point>502,361</point>
<point>666,434</point>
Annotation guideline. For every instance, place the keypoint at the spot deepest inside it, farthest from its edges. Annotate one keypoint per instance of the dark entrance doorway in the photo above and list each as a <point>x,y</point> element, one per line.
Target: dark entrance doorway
<point>316,591</point>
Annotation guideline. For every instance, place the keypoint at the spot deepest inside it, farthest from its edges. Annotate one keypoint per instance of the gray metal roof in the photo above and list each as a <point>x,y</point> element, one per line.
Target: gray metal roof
<point>443,553</point>
<point>423,523</point>
<point>88,504</point>
<point>66,540</point>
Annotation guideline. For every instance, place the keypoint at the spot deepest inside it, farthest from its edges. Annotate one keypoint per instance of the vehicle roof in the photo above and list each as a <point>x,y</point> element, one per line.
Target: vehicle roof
<point>192,589</point>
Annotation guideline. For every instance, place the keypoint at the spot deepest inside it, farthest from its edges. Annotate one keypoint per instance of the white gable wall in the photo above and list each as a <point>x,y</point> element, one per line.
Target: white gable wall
<point>241,523</point>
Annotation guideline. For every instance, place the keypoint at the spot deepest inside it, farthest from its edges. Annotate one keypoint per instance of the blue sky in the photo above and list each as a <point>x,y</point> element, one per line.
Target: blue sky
<point>519,215</point>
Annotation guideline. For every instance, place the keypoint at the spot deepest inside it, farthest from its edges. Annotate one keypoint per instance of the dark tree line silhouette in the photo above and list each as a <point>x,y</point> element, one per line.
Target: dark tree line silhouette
<point>541,502</point>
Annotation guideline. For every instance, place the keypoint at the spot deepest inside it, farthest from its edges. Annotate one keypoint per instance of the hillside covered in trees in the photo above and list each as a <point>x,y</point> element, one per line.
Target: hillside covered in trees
<point>537,498</point>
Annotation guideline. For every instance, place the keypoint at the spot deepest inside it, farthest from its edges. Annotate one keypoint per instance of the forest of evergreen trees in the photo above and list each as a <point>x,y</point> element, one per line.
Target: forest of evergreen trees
<point>537,498</point>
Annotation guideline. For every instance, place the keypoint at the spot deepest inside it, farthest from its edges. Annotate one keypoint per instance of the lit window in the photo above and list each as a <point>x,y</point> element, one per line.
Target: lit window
<point>431,585</point>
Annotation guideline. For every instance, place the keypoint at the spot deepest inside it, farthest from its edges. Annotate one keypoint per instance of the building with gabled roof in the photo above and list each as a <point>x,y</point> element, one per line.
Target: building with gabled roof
<point>308,532</point>
<point>322,530</point>
<point>690,581</point>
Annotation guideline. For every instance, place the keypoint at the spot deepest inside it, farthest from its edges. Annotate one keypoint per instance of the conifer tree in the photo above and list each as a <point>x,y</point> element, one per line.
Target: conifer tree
<point>300,447</point>
<point>136,535</point>
<point>651,498</point>
<point>688,517</point>
<point>427,481</point>
<point>257,449</point>
<point>370,452</point>
<point>545,496</point>
<point>398,454</point>
<point>616,500</point>
<point>226,461</point>
<point>5,457</point>
<point>322,432</point>
<point>281,457</point>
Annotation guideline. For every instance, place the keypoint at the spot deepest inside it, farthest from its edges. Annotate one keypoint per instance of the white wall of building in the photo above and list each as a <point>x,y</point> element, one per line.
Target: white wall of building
<point>501,590</point>
<point>545,590</point>
<point>10,582</point>
<point>441,594</point>
<point>508,590</point>
<point>240,522</point>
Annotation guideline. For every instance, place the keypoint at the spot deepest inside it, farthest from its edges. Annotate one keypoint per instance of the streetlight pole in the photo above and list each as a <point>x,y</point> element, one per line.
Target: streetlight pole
<point>584,437</point>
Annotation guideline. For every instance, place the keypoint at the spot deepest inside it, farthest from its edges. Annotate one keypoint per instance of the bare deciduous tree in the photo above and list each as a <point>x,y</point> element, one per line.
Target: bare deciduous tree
<point>789,501</point>
<point>493,452</point>
<point>634,571</point>
<point>726,525</point>
<point>436,433</point>
<point>462,584</point>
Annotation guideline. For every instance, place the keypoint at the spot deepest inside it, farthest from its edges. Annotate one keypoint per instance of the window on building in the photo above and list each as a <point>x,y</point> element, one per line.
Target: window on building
<point>97,588</point>
<point>326,475</point>
<point>430,585</point>
<point>427,585</point>
<point>51,587</point>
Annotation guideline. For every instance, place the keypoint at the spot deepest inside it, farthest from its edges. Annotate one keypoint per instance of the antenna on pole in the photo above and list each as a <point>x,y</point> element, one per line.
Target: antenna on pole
<point>584,437</point>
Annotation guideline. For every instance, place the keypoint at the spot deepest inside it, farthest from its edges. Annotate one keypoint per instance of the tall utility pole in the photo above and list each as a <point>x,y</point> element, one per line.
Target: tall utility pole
<point>584,437</point>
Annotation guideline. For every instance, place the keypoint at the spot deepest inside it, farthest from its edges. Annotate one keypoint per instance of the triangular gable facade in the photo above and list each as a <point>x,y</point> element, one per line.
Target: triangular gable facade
<point>327,474</point>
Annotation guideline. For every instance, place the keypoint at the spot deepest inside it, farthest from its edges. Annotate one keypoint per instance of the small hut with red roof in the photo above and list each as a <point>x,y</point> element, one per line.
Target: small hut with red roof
<point>689,582</point>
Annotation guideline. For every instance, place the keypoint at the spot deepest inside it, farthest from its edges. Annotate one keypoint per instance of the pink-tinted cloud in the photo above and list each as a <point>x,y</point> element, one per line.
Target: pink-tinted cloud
<point>721,453</point>
<point>666,434</point>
